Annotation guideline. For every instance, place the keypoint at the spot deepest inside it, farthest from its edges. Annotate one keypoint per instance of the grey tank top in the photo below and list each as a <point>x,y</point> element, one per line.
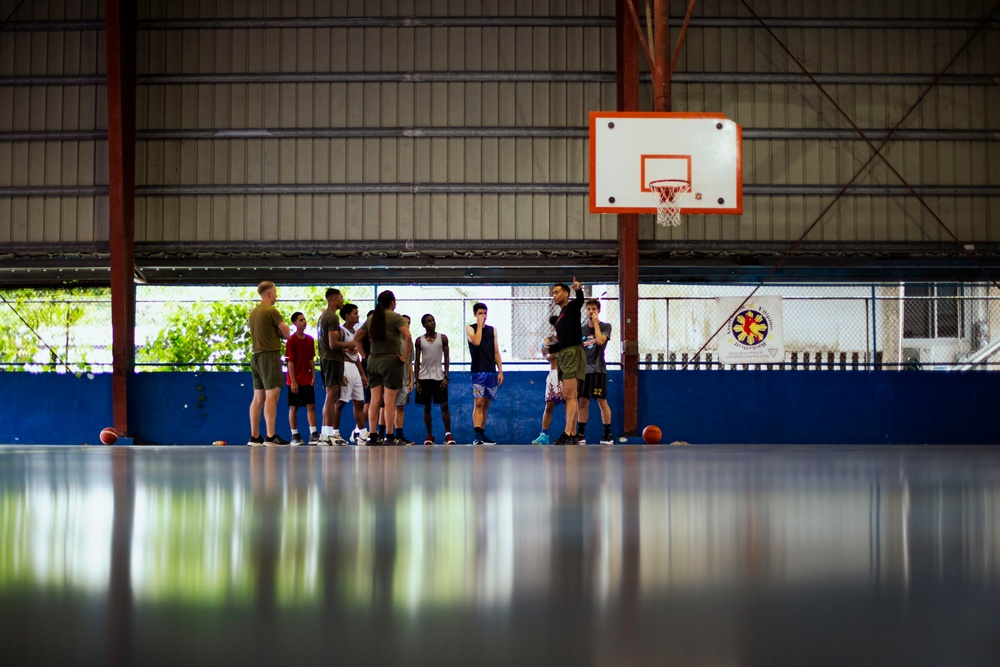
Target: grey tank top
<point>431,356</point>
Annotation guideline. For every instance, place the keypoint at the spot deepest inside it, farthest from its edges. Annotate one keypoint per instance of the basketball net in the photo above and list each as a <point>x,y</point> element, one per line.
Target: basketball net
<point>670,193</point>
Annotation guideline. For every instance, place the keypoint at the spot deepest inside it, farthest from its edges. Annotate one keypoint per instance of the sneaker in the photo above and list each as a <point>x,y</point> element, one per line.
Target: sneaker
<point>477,441</point>
<point>542,439</point>
<point>487,440</point>
<point>448,439</point>
<point>606,440</point>
<point>374,440</point>
<point>429,440</point>
<point>255,441</point>
<point>565,439</point>
<point>338,440</point>
<point>296,440</point>
<point>324,441</point>
<point>581,440</point>
<point>403,441</point>
<point>314,438</point>
<point>275,441</point>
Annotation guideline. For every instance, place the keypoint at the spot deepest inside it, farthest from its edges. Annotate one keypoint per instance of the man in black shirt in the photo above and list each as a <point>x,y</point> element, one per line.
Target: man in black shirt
<point>572,359</point>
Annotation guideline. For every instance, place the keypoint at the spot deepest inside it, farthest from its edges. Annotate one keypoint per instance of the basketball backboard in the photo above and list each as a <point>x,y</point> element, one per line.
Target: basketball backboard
<point>628,150</point>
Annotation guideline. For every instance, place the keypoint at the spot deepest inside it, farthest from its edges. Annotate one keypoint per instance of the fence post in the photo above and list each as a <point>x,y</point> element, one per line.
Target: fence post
<point>874,330</point>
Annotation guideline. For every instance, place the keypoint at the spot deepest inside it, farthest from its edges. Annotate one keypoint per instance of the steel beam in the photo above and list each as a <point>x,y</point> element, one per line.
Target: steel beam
<point>120,40</point>
<point>627,88</point>
<point>496,22</point>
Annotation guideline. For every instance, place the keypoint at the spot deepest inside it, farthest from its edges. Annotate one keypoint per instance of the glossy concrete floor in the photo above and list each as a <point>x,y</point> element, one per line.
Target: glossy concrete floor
<point>519,555</point>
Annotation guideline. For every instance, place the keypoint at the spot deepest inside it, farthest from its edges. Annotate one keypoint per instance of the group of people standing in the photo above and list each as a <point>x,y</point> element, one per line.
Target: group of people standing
<point>374,366</point>
<point>377,365</point>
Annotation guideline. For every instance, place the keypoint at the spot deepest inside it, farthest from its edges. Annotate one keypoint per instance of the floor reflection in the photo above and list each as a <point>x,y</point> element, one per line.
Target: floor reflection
<point>585,555</point>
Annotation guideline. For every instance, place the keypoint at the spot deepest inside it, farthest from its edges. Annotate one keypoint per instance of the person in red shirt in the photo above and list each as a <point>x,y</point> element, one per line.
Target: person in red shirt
<point>300,352</point>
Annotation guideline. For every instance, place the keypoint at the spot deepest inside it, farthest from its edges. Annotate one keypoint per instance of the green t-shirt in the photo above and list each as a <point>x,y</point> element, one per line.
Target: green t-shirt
<point>393,341</point>
<point>328,321</point>
<point>264,332</point>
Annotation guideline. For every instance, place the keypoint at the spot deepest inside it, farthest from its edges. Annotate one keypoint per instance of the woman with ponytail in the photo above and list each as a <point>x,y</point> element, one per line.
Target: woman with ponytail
<point>390,348</point>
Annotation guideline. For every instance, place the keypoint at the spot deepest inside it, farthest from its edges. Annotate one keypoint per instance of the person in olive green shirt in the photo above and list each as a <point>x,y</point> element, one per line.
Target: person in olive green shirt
<point>267,329</point>
<point>390,349</point>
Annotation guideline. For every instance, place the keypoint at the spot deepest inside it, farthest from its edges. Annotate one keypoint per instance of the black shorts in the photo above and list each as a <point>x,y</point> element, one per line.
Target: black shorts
<point>595,385</point>
<point>306,396</point>
<point>431,391</point>
<point>332,373</point>
<point>368,390</point>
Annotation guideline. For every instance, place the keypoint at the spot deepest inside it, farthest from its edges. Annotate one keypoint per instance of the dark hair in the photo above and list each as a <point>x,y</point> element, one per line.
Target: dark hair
<point>594,302</point>
<point>479,306</point>
<point>553,319</point>
<point>346,310</point>
<point>564,286</point>
<point>333,291</point>
<point>295,316</point>
<point>378,330</point>
<point>423,320</point>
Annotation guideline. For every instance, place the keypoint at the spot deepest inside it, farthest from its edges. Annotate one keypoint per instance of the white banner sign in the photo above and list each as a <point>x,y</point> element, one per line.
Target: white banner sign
<point>752,333</point>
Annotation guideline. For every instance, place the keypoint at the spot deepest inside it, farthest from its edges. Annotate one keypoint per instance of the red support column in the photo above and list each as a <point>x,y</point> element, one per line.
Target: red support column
<point>627,65</point>
<point>661,53</point>
<point>120,42</point>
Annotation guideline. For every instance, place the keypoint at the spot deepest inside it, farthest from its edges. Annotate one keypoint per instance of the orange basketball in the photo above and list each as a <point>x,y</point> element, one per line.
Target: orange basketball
<point>652,434</point>
<point>109,436</point>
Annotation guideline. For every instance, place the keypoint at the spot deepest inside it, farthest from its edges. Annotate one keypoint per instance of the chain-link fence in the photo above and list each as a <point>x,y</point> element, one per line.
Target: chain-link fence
<point>831,327</point>
<point>824,326</point>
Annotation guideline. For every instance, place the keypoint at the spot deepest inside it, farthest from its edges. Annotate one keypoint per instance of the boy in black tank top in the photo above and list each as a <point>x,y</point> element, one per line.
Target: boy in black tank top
<point>487,371</point>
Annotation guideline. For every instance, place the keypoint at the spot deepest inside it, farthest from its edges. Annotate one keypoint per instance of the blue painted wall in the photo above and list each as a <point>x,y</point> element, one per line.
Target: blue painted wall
<point>742,407</point>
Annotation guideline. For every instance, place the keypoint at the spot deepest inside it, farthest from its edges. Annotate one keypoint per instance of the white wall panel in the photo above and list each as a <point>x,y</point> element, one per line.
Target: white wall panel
<point>512,105</point>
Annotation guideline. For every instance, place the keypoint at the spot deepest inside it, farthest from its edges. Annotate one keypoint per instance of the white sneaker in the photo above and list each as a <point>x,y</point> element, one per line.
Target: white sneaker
<point>338,440</point>
<point>324,441</point>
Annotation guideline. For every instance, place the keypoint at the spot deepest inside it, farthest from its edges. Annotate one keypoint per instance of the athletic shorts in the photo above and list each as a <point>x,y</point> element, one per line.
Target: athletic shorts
<point>332,372</point>
<point>403,396</point>
<point>485,385</point>
<point>572,363</point>
<point>595,386</point>
<point>368,391</point>
<point>354,390</point>
<point>553,388</point>
<point>306,396</point>
<point>265,368</point>
<point>431,391</point>
<point>385,370</point>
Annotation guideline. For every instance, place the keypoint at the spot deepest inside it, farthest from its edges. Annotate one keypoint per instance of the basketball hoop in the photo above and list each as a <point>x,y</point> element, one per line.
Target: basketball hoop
<point>669,191</point>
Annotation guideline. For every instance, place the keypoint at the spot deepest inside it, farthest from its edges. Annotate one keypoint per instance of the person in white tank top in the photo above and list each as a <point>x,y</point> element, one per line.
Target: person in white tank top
<point>354,373</point>
<point>430,368</point>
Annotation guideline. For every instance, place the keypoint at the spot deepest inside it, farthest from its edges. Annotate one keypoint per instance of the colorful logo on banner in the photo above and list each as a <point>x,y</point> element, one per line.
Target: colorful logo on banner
<point>750,328</point>
<point>753,331</point>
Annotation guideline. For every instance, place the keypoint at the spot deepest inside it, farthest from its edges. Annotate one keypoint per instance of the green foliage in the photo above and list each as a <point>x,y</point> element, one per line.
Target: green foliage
<point>213,335</point>
<point>202,336</point>
<point>46,326</point>
<point>198,328</point>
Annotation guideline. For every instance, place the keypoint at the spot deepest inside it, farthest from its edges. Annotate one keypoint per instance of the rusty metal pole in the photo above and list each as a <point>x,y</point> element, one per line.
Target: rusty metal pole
<point>627,65</point>
<point>661,55</point>
<point>120,43</point>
